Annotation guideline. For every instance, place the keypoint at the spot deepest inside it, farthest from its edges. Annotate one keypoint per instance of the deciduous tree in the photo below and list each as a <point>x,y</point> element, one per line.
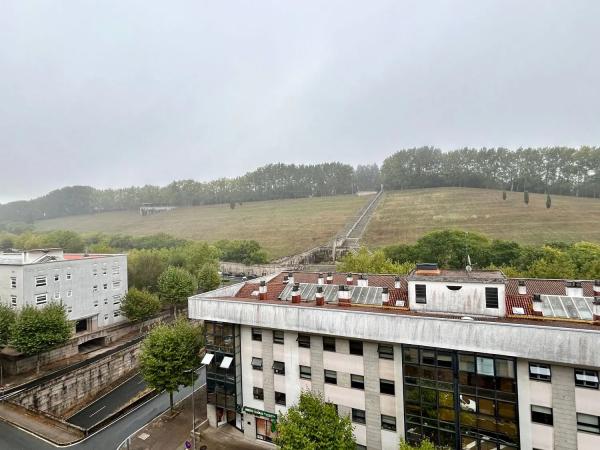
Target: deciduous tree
<point>208,278</point>
<point>7,320</point>
<point>139,305</point>
<point>175,285</point>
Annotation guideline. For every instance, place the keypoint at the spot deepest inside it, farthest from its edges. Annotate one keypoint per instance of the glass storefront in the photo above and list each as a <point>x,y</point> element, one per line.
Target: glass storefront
<point>460,400</point>
<point>265,431</point>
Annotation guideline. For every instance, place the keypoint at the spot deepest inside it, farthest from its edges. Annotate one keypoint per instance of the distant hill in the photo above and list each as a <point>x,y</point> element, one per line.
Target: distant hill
<point>404,216</point>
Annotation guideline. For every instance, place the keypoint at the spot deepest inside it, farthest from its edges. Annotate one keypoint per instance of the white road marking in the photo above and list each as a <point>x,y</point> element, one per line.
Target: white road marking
<point>91,415</point>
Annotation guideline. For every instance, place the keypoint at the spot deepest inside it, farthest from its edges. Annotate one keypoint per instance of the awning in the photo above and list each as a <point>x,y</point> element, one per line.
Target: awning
<point>226,362</point>
<point>207,358</point>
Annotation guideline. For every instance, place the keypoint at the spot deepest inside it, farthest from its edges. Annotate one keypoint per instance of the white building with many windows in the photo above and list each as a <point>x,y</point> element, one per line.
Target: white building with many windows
<point>469,359</point>
<point>90,286</point>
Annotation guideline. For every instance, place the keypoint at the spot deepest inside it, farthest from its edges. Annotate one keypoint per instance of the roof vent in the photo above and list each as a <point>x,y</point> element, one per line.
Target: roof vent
<point>427,269</point>
<point>522,287</point>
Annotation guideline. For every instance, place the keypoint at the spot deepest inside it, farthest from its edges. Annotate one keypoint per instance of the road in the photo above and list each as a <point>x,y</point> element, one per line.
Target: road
<point>109,403</point>
<point>108,438</point>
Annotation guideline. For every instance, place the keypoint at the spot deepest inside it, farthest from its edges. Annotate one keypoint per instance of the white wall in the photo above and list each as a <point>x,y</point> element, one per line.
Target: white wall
<point>250,378</point>
<point>542,436</point>
<point>587,401</point>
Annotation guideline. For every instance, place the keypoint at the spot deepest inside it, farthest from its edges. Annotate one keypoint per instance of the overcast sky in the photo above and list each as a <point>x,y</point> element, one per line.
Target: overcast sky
<point>119,93</point>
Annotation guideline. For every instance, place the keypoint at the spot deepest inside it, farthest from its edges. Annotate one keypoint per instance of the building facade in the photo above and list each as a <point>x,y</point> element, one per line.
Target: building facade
<point>90,286</point>
<point>468,359</point>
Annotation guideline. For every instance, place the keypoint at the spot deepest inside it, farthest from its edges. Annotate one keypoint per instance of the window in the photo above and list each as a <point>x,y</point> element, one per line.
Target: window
<point>305,372</point>
<point>491,297</point>
<point>587,423</point>
<point>116,300</point>
<point>385,351</point>
<point>105,286</point>
<point>387,387</point>
<point>96,303</point>
<point>586,378</point>
<point>264,430</point>
<point>358,416</point>
<point>116,313</point>
<point>304,340</point>
<point>95,271</point>
<point>40,299</point>
<point>279,367</point>
<point>70,293</point>
<point>256,334</point>
<point>357,381</point>
<point>56,295</point>
<point>106,317</point>
<point>13,282</point>
<point>104,271</point>
<point>279,398</point>
<point>539,372</point>
<point>56,277</point>
<point>277,337</point>
<point>115,270</point>
<point>331,376</point>
<point>13,301</point>
<point>69,309</point>
<point>95,288</point>
<point>388,422</point>
<point>356,348</point>
<point>328,344</point>
<point>68,276</point>
<point>541,414</point>
<point>40,280</point>
<point>420,293</point>
<point>258,393</point>
<point>257,363</point>
<point>106,301</point>
<point>116,284</point>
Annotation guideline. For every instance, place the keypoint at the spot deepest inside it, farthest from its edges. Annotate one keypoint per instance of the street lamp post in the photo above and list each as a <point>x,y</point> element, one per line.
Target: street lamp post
<point>192,373</point>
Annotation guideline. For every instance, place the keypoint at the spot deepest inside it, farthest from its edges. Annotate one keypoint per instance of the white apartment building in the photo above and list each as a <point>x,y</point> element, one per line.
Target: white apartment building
<point>90,286</point>
<point>469,359</point>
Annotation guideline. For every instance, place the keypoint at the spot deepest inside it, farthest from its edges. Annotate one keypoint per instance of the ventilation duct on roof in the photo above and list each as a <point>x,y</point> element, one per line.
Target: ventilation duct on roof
<point>574,289</point>
<point>522,287</point>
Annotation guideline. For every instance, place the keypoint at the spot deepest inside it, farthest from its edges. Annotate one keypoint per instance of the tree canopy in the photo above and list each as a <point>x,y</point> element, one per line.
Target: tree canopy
<point>365,261</point>
<point>208,278</point>
<point>175,285</point>
<point>7,320</point>
<point>313,424</point>
<point>168,353</point>
<point>139,305</point>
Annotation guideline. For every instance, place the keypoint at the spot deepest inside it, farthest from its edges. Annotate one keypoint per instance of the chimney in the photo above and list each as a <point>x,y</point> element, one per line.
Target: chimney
<point>397,282</point>
<point>574,289</point>
<point>262,290</point>
<point>285,279</point>
<point>349,279</point>
<point>264,273</point>
<point>522,287</point>
<point>343,296</point>
<point>597,288</point>
<point>319,296</point>
<point>363,281</point>
<point>291,277</point>
<point>385,296</point>
<point>596,310</point>
<point>537,305</point>
<point>329,278</point>
<point>296,293</point>
<point>320,280</point>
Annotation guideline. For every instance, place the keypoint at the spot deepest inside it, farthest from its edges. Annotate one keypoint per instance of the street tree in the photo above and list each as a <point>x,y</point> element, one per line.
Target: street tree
<point>38,330</point>
<point>175,285</point>
<point>208,278</point>
<point>7,320</point>
<point>167,353</point>
<point>313,424</point>
<point>139,305</point>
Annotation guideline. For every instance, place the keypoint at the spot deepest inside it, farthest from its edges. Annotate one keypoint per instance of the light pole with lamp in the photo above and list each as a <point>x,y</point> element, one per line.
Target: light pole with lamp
<point>192,372</point>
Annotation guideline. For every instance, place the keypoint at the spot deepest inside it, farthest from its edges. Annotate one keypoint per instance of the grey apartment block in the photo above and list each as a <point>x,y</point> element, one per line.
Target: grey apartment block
<point>372,405</point>
<point>316,364</point>
<point>268,377</point>
<point>563,408</point>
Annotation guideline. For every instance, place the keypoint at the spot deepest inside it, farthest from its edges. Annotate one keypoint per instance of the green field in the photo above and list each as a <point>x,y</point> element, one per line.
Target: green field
<point>282,227</point>
<point>404,216</point>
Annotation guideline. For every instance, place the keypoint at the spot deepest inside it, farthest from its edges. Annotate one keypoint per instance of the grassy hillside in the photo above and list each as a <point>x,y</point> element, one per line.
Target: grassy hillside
<point>404,216</point>
<point>282,227</point>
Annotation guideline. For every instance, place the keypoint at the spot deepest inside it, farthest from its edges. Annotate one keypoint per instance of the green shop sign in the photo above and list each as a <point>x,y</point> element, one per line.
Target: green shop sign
<point>260,413</point>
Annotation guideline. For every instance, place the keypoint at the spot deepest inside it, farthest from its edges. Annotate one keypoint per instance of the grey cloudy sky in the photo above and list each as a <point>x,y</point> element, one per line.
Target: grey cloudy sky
<point>115,93</point>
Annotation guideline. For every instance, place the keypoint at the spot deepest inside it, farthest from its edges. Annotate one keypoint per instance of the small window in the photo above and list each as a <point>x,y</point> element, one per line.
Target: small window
<point>40,280</point>
<point>454,288</point>
<point>56,277</point>
<point>13,301</point>
<point>96,303</point>
<point>13,282</point>
<point>256,334</point>
<point>304,340</point>
<point>305,372</point>
<point>69,293</point>
<point>257,363</point>
<point>105,317</point>
<point>485,366</point>
<point>586,378</point>
<point>116,284</point>
<point>539,372</point>
<point>587,423</point>
<point>116,300</point>
<point>68,276</point>
<point>386,351</point>
<point>41,299</point>
<point>56,295</point>
<point>95,288</point>
<point>279,367</point>
<point>330,376</point>
<point>420,293</point>
<point>388,422</point>
<point>356,348</point>
<point>279,398</point>
<point>358,416</point>
<point>115,270</point>
<point>258,393</point>
<point>328,344</point>
<point>278,337</point>
<point>357,381</point>
<point>69,309</point>
<point>491,297</point>
<point>106,301</point>
<point>105,286</point>
<point>387,387</point>
<point>116,313</point>
<point>541,414</point>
